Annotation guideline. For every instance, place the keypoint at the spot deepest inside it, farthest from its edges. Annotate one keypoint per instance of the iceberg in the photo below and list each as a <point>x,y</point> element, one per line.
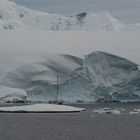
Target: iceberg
<point>100,76</point>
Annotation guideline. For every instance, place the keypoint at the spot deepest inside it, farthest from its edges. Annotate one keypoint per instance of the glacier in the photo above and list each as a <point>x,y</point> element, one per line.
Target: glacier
<point>99,76</point>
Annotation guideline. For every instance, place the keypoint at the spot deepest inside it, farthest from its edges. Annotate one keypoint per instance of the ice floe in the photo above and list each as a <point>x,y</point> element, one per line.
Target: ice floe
<point>107,111</point>
<point>41,108</point>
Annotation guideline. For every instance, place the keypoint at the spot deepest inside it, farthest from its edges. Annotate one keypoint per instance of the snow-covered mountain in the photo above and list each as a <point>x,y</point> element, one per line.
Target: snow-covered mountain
<point>13,16</point>
<point>99,76</point>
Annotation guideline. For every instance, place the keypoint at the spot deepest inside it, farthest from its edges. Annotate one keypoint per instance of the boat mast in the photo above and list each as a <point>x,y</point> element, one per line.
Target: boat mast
<point>57,88</point>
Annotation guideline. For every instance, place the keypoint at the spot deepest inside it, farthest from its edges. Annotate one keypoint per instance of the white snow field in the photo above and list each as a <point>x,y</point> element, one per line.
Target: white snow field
<point>13,16</point>
<point>42,108</point>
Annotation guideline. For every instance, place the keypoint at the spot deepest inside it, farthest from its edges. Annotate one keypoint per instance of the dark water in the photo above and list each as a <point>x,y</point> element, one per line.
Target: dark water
<point>73,126</point>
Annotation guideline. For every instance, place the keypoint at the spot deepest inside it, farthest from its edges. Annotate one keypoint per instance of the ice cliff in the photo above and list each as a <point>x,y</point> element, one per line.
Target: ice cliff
<point>100,76</point>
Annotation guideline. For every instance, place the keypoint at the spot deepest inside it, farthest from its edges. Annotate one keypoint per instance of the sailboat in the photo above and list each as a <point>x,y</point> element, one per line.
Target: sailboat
<point>57,100</point>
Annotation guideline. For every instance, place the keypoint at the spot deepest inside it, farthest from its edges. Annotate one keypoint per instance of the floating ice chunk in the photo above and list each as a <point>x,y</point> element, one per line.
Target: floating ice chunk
<point>99,111</point>
<point>138,110</point>
<point>116,111</point>
<point>106,108</point>
<point>133,112</point>
<point>107,111</point>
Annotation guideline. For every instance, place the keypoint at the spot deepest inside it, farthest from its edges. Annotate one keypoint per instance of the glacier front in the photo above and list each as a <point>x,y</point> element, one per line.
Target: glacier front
<point>100,76</point>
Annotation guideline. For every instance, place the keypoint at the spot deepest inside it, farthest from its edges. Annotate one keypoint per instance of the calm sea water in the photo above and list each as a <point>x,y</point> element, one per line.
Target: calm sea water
<point>72,126</point>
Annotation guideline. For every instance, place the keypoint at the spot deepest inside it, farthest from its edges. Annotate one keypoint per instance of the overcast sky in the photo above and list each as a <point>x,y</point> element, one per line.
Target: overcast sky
<point>127,10</point>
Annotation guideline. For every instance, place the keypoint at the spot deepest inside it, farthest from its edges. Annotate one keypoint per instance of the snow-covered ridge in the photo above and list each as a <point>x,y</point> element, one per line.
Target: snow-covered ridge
<point>13,16</point>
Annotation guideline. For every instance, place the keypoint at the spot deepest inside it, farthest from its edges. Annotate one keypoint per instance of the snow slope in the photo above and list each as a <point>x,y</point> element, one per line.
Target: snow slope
<point>13,16</point>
